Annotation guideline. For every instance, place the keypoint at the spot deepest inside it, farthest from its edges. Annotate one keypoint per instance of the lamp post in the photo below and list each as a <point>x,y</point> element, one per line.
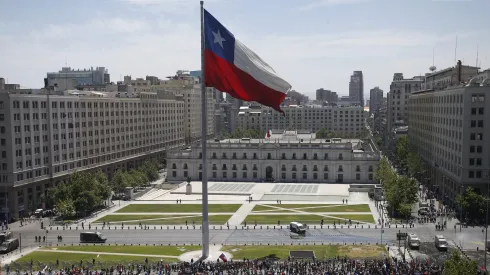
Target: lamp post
<point>486,221</point>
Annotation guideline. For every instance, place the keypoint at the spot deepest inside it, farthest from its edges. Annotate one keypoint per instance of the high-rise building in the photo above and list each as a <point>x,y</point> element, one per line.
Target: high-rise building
<point>340,119</point>
<point>375,100</point>
<point>356,87</point>
<point>326,95</point>
<point>397,107</point>
<point>447,129</point>
<point>69,78</point>
<point>45,137</point>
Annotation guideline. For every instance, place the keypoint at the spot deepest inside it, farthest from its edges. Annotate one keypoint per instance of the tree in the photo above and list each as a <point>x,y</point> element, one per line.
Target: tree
<point>401,150</point>
<point>473,204</point>
<point>119,181</point>
<point>65,208</point>
<point>459,265</point>
<point>414,164</point>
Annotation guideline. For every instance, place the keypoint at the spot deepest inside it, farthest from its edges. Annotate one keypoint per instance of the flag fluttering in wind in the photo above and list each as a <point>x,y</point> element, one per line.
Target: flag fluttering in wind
<point>231,67</point>
<point>223,257</point>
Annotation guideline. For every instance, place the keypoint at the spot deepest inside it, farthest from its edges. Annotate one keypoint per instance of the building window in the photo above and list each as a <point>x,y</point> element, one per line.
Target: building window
<point>255,175</point>
<point>244,175</point>
<point>200,155</point>
<point>471,174</point>
<point>370,169</point>
<point>283,176</point>
<point>269,156</point>
<point>224,167</point>
<point>200,166</point>
<point>304,156</point>
<point>294,176</point>
<point>358,176</point>
<point>325,176</point>
<point>325,156</point>
<point>315,156</point>
<point>315,176</point>
<point>283,167</point>
<point>174,174</point>
<point>215,175</point>
<point>325,168</point>
<point>254,168</point>
<point>294,155</point>
<point>472,161</point>
<point>174,166</point>
<point>233,156</point>
<point>244,155</point>
<point>233,167</point>
<point>186,174</point>
<point>358,168</point>
<point>283,156</point>
<point>370,176</point>
<point>341,157</point>
<point>214,156</point>
<point>185,165</point>
<point>304,168</point>
<point>214,167</point>
<point>315,168</point>
<point>234,175</point>
<point>244,167</point>
<point>478,174</point>
<point>294,168</point>
<point>305,176</point>
<point>223,156</point>
<point>224,175</point>
<point>341,169</point>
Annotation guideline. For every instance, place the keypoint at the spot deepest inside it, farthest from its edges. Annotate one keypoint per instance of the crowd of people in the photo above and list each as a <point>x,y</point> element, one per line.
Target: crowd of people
<point>338,265</point>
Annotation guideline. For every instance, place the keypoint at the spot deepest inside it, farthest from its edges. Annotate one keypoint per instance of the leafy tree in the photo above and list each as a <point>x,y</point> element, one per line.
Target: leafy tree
<point>473,204</point>
<point>65,208</point>
<point>459,265</point>
<point>401,150</point>
<point>414,164</point>
<point>119,181</point>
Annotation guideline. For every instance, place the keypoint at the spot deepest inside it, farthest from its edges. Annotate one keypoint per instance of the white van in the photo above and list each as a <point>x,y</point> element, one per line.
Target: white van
<point>440,242</point>
<point>297,227</point>
<point>413,241</point>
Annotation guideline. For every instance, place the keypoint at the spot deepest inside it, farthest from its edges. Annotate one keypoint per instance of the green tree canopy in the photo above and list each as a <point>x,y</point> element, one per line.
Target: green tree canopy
<point>457,264</point>
<point>473,204</point>
<point>401,150</point>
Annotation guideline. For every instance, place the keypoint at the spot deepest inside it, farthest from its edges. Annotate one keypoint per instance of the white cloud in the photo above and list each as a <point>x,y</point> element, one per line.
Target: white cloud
<point>326,3</point>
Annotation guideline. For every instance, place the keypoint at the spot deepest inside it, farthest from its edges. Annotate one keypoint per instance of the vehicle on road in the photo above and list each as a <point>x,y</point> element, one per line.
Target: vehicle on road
<point>5,236</point>
<point>9,245</point>
<point>297,227</point>
<point>413,241</point>
<point>92,237</point>
<point>441,242</point>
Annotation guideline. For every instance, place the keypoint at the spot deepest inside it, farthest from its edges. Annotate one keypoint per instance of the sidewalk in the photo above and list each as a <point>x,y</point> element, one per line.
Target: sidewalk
<point>239,216</point>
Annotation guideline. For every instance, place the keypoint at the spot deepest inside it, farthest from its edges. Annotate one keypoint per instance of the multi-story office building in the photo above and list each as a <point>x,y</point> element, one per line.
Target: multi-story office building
<point>356,87</point>
<point>69,78</point>
<point>397,103</point>
<point>340,119</point>
<point>284,157</point>
<point>323,95</point>
<point>375,100</point>
<point>446,128</point>
<point>190,88</point>
<point>46,137</point>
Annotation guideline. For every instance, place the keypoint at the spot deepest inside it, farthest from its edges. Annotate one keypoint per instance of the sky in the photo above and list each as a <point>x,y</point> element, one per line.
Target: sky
<point>310,43</point>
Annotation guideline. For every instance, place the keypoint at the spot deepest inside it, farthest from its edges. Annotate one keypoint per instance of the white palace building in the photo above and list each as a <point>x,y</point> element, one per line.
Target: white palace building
<point>286,156</point>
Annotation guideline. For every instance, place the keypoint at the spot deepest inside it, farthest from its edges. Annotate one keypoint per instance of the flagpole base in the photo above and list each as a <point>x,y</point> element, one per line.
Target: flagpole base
<point>196,256</point>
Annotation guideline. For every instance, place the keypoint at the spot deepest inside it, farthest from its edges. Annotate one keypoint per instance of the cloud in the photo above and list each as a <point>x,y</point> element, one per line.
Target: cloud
<point>327,3</point>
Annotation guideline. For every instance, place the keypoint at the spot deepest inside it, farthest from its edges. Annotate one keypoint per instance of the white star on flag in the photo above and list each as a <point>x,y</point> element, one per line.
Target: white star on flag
<point>218,39</point>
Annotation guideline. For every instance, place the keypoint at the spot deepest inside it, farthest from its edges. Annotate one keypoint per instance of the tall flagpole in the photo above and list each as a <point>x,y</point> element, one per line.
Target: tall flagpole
<point>205,219</point>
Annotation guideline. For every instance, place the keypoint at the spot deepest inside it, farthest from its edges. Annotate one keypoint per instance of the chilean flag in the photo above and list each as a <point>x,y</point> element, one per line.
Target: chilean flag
<point>231,67</point>
<point>223,257</point>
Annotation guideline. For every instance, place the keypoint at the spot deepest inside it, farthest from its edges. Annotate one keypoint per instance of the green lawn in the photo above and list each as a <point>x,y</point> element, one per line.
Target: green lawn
<point>321,251</point>
<point>317,208</point>
<point>308,219</point>
<point>149,250</point>
<point>178,208</point>
<point>42,258</point>
<point>170,219</point>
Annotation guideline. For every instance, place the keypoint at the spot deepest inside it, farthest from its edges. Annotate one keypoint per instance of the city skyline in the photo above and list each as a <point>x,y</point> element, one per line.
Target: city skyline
<point>306,43</point>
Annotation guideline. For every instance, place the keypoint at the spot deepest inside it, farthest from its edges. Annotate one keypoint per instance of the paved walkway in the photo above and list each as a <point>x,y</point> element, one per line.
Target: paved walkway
<point>108,253</point>
<point>239,216</point>
<point>172,213</point>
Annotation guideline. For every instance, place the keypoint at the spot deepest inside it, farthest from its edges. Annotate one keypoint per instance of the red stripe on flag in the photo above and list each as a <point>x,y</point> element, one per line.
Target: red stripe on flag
<point>227,78</point>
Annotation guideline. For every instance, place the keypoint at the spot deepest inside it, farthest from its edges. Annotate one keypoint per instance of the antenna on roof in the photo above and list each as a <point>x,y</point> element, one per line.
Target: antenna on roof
<point>476,56</point>
<point>456,49</point>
